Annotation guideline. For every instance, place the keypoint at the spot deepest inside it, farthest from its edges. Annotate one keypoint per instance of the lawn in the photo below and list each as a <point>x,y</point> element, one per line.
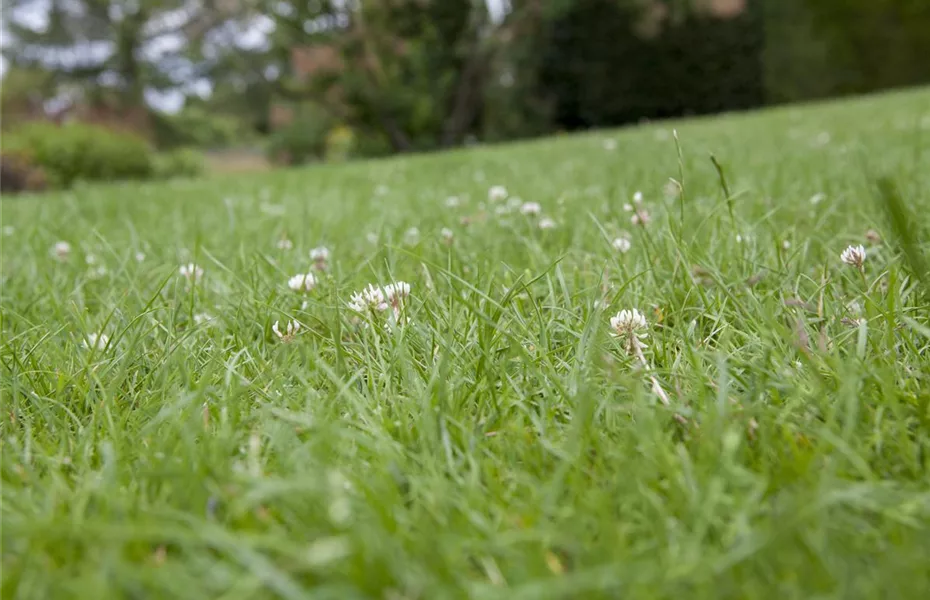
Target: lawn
<point>759,429</point>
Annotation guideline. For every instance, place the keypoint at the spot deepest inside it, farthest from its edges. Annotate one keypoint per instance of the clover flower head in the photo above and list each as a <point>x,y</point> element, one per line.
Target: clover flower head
<point>546,223</point>
<point>290,330</point>
<point>530,208</point>
<point>854,256</point>
<point>191,272</point>
<point>497,193</point>
<point>304,282</point>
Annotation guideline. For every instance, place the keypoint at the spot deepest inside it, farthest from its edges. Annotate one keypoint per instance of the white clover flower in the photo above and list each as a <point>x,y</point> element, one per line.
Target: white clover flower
<point>641,217</point>
<point>191,272</point>
<point>319,256</point>
<point>497,193</point>
<point>302,283</point>
<point>61,250</point>
<point>90,259</point>
<point>786,244</point>
<point>622,244</point>
<point>96,341</point>
<point>854,256</point>
<point>140,256</point>
<point>631,327</point>
<point>320,253</point>
<point>370,299</point>
<point>285,244</point>
<point>447,235</point>
<point>372,237</point>
<point>610,144</point>
<point>530,208</point>
<point>817,198</point>
<point>289,332</point>
<point>514,202</point>
<point>629,322</point>
<point>546,223</point>
<point>412,236</point>
<point>501,209</point>
<point>452,201</point>
<point>395,294</point>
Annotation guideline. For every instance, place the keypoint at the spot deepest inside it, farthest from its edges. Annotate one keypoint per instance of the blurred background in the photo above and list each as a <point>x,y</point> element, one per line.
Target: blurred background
<point>111,89</point>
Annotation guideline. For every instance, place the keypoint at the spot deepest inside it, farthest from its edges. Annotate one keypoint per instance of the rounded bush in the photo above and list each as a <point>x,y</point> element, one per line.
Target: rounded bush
<point>78,151</point>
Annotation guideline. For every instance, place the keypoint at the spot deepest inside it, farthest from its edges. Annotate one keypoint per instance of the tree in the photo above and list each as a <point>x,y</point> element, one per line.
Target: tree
<point>117,49</point>
<point>414,71</point>
<point>23,93</point>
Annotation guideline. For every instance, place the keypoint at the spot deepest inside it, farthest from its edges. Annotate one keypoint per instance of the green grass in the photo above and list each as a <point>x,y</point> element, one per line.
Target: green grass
<point>502,444</point>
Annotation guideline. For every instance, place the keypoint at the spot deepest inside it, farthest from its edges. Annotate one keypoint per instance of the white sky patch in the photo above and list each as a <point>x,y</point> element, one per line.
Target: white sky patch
<point>255,35</point>
<point>169,101</point>
<point>498,9</point>
<point>284,9</point>
<point>33,15</point>
<point>162,46</point>
<point>202,87</point>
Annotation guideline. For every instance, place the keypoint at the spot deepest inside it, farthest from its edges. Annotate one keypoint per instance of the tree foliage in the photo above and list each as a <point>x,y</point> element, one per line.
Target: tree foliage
<point>837,47</point>
<point>412,70</point>
<point>123,47</point>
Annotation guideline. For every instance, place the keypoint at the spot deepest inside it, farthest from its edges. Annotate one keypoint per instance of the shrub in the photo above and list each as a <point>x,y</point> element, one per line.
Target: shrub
<point>304,140</point>
<point>180,163</point>
<point>19,173</point>
<point>340,144</point>
<point>77,151</point>
<point>195,126</point>
<point>371,144</point>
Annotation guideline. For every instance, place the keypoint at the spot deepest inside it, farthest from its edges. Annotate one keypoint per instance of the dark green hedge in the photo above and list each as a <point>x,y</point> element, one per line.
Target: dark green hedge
<point>598,67</point>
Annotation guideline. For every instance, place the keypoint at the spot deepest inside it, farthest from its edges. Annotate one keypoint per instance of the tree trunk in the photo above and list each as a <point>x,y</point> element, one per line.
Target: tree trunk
<point>467,99</point>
